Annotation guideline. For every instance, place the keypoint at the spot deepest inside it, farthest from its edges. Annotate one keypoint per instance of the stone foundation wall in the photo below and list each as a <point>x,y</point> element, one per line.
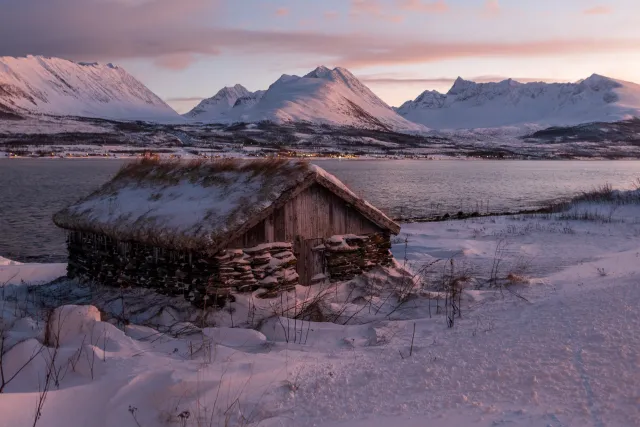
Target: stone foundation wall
<point>202,279</point>
<point>349,256</point>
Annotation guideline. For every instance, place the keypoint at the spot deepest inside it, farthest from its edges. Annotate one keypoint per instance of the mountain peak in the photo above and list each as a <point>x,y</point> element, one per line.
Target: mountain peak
<point>599,82</point>
<point>460,85</point>
<point>235,89</point>
<point>319,73</point>
<point>228,95</point>
<point>221,102</point>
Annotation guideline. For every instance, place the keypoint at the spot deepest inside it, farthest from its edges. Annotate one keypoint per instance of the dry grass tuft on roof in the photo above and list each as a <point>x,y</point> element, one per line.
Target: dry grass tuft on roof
<point>172,171</point>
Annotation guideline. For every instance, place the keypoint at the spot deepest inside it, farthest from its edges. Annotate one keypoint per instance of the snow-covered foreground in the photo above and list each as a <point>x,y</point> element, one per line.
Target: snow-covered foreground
<point>547,337</point>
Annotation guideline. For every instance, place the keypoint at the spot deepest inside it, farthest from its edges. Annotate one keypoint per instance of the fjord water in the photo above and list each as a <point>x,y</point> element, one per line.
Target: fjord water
<point>31,190</point>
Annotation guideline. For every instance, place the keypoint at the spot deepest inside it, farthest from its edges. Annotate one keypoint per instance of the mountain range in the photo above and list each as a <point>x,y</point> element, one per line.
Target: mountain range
<point>35,85</point>
<point>323,96</point>
<point>470,105</point>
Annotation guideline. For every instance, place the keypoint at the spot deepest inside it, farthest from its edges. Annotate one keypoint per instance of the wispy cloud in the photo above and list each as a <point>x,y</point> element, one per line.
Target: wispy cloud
<point>282,11</point>
<point>185,99</point>
<point>394,53</point>
<point>598,10</point>
<point>366,7</point>
<point>436,6</point>
<point>373,9</point>
<point>399,80</point>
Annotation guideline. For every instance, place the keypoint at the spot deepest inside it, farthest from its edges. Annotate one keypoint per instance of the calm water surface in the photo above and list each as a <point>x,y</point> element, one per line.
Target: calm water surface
<point>31,190</point>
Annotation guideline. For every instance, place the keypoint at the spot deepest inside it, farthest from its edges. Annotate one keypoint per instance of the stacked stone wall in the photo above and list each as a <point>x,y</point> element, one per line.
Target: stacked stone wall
<point>212,280</point>
<point>348,256</point>
<point>202,279</point>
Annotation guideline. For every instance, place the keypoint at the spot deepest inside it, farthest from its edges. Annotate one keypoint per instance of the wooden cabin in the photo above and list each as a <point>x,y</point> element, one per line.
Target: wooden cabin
<point>212,228</point>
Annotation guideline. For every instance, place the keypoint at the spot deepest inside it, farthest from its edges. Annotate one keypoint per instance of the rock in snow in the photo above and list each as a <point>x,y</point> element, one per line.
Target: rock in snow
<point>69,322</point>
<point>471,105</point>
<point>39,85</point>
<point>323,96</point>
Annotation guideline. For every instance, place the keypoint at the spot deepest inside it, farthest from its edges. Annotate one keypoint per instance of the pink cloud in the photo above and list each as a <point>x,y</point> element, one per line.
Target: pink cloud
<point>331,14</point>
<point>176,61</point>
<point>598,10</point>
<point>492,7</point>
<point>366,7</point>
<point>283,11</point>
<point>437,6</point>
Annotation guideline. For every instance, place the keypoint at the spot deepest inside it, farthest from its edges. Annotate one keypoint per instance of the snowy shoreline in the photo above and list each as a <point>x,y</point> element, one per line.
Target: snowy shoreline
<point>428,157</point>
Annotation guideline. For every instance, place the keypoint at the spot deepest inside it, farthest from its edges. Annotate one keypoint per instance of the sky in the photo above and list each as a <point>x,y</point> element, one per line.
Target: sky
<point>186,50</point>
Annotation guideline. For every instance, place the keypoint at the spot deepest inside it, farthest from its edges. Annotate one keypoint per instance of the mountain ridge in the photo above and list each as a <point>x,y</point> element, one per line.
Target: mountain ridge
<point>323,96</point>
<point>53,86</point>
<point>469,105</point>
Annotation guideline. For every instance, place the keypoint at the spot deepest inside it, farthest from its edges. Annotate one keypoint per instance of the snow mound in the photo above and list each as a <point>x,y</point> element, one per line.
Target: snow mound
<point>54,86</point>
<point>69,322</point>
<point>235,337</point>
<point>15,273</point>
<point>323,96</point>
<point>470,105</point>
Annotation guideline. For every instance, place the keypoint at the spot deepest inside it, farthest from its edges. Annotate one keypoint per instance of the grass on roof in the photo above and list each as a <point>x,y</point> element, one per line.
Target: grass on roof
<point>205,170</point>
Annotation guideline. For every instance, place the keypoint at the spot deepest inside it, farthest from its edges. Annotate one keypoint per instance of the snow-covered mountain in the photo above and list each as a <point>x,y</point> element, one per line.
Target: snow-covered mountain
<point>471,105</point>
<point>219,106</point>
<point>334,97</point>
<point>40,85</point>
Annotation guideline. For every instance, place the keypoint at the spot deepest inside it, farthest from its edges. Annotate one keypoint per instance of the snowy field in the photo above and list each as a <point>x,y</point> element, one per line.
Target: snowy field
<point>546,336</point>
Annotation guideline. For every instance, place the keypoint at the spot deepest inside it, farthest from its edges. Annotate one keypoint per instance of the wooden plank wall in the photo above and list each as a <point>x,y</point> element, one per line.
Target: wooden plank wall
<point>316,213</point>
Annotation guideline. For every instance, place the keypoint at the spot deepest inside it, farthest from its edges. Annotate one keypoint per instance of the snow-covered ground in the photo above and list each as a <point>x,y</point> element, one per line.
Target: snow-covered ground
<point>547,337</point>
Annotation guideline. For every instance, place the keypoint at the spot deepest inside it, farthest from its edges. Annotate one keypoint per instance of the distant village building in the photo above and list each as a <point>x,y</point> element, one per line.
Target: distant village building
<point>208,229</point>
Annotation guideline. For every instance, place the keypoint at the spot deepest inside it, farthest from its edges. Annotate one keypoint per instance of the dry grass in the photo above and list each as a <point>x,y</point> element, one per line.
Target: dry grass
<point>602,193</point>
<point>208,172</point>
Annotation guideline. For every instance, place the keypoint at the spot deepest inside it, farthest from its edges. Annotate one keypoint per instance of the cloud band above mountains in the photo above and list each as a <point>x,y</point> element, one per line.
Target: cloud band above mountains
<point>174,34</point>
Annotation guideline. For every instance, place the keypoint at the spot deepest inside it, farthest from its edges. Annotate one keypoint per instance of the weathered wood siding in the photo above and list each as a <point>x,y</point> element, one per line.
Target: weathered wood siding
<point>316,213</point>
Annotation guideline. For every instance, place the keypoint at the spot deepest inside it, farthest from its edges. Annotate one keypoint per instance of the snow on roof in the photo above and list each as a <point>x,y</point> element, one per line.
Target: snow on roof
<point>200,204</point>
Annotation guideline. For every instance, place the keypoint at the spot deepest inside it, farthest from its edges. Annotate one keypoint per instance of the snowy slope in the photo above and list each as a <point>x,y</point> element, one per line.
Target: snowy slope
<point>510,103</point>
<point>220,105</point>
<point>39,85</point>
<point>334,97</point>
